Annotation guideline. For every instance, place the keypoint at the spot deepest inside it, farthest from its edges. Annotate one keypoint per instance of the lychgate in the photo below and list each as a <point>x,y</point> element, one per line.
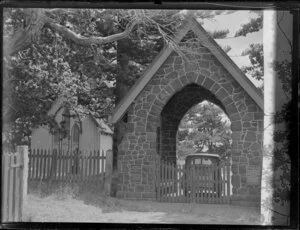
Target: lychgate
<point>160,98</point>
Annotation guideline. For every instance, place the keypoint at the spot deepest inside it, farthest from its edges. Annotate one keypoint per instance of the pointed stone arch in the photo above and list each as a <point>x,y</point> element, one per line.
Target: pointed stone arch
<point>211,70</point>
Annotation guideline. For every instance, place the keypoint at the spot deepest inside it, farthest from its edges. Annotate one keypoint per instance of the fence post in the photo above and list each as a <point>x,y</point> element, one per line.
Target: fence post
<point>108,172</point>
<point>23,151</point>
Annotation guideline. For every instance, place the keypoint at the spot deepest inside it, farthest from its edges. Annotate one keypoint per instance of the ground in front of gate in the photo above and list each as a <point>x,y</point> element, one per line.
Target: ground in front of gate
<point>92,208</point>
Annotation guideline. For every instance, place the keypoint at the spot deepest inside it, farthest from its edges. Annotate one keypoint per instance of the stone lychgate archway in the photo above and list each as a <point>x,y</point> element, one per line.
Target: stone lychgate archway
<point>157,102</point>
<point>191,82</point>
<point>174,111</point>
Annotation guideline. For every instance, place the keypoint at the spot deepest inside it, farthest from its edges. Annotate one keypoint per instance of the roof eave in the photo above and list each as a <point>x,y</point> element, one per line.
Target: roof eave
<point>147,75</point>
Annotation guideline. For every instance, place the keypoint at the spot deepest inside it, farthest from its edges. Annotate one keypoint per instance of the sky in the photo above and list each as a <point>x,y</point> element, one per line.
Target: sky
<point>239,44</point>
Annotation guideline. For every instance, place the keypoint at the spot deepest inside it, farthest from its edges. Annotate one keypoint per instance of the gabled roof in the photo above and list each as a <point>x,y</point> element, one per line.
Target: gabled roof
<point>59,103</point>
<point>211,45</point>
<point>104,128</point>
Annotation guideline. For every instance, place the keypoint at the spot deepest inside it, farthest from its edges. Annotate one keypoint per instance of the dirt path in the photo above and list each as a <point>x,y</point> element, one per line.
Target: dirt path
<point>52,209</point>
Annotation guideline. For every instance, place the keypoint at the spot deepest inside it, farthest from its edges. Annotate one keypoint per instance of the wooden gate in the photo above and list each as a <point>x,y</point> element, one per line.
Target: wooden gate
<point>14,183</point>
<point>198,183</point>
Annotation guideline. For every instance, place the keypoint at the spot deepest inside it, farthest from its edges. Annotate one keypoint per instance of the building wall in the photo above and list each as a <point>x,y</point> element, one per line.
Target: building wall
<point>41,138</point>
<point>106,142</point>
<point>139,147</point>
<point>89,139</point>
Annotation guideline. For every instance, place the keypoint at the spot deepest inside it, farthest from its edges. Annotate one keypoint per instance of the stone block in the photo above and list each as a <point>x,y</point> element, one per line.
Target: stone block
<point>250,136</point>
<point>222,94</point>
<point>236,126</point>
<point>214,69</point>
<point>243,179</point>
<point>260,125</point>
<point>130,127</point>
<point>208,56</point>
<point>238,96</point>
<point>242,191</point>
<point>234,169</point>
<point>235,181</point>
<point>236,135</point>
<point>170,90</point>
<point>243,159</point>
<point>254,191</point>
<point>242,169</point>
<point>231,108</point>
<point>246,124</point>
<point>205,73</point>
<point>235,159</point>
<point>148,195</point>
<point>178,67</point>
<point>242,107</point>
<point>246,144</point>
<point>200,79</point>
<point>228,87</point>
<point>234,117</point>
<point>190,66</point>
<point>255,161</point>
<point>183,80</point>
<point>151,127</point>
<point>203,64</point>
<point>156,89</point>
<point>236,152</point>
<point>176,84</point>
<point>258,116</point>
<point>248,117</point>
<point>191,76</point>
<point>164,96</point>
<point>252,108</point>
<point>208,83</point>
<point>215,88</point>
<point>226,100</point>
<point>133,195</point>
<point>256,146</point>
<point>151,97</point>
<point>178,60</point>
<point>142,113</point>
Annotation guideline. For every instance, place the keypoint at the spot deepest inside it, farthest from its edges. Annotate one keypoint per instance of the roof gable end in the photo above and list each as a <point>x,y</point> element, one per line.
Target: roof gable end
<point>211,45</point>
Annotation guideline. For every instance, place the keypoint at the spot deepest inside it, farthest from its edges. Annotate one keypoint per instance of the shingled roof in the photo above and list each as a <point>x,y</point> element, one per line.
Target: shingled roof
<point>190,24</point>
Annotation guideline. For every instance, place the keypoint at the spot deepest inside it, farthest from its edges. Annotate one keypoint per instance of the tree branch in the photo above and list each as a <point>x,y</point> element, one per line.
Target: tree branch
<point>24,37</point>
<point>85,41</point>
<point>37,18</point>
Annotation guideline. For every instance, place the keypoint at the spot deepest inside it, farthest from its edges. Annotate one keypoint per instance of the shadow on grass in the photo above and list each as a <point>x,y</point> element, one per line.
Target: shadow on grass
<point>89,192</point>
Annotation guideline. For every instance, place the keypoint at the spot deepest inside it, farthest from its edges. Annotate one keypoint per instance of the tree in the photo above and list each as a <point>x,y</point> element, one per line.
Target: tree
<point>283,160</point>
<point>256,70</point>
<point>73,52</point>
<point>207,127</point>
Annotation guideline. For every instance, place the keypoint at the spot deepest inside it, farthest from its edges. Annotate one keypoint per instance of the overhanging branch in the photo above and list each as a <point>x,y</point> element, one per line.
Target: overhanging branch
<point>81,40</point>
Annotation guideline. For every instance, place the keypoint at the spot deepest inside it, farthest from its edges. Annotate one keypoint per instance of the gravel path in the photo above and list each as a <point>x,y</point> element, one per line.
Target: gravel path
<point>52,209</point>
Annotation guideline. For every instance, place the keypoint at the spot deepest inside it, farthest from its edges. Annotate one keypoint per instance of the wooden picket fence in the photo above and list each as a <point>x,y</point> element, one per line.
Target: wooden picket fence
<point>199,183</point>
<point>14,183</point>
<point>77,166</point>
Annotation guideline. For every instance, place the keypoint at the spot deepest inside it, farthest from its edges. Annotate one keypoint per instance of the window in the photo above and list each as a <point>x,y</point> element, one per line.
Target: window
<point>75,133</point>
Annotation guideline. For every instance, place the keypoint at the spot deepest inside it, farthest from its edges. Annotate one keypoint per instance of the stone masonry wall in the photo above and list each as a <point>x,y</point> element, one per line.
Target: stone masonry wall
<point>138,149</point>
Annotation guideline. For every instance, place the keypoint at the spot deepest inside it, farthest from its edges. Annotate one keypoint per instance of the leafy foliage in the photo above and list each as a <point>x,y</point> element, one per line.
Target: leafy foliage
<point>254,25</point>
<point>256,70</point>
<point>54,59</point>
<point>205,128</point>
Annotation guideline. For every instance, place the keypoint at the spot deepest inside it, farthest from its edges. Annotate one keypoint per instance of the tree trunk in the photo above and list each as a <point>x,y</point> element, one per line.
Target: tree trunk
<point>122,88</point>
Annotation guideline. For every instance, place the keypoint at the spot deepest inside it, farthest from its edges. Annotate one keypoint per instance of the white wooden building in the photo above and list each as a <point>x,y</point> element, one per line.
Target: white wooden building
<point>85,133</point>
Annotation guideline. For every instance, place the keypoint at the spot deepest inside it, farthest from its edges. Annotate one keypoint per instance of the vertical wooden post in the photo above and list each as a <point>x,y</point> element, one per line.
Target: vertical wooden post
<point>108,172</point>
<point>267,190</point>
<point>23,151</point>
<point>228,182</point>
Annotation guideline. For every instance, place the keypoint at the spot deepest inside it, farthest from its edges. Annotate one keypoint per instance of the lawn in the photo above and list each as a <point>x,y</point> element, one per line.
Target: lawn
<point>67,205</point>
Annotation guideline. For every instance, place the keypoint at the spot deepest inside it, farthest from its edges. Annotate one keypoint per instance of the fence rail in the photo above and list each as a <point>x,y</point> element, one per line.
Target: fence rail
<point>66,166</point>
<point>199,183</point>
